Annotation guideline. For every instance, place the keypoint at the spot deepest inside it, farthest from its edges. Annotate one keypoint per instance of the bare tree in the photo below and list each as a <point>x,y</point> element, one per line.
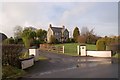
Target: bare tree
<point>18,31</point>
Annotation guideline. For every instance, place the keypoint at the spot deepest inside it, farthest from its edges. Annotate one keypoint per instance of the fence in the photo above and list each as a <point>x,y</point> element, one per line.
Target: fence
<point>49,47</point>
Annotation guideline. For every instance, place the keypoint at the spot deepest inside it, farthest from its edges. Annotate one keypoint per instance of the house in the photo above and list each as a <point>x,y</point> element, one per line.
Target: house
<point>60,33</point>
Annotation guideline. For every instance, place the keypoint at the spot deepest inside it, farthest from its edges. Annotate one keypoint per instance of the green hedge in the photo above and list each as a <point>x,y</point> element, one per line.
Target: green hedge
<point>10,54</point>
<point>101,45</point>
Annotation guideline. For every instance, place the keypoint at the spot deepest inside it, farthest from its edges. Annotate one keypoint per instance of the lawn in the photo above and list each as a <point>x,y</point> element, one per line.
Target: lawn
<point>71,48</point>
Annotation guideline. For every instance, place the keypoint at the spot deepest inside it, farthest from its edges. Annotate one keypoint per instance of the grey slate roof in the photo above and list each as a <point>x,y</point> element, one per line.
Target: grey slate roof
<point>56,29</point>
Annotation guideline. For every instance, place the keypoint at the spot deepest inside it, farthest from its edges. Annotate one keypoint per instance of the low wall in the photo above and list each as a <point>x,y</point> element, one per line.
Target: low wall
<point>34,52</point>
<point>99,53</point>
<point>25,63</point>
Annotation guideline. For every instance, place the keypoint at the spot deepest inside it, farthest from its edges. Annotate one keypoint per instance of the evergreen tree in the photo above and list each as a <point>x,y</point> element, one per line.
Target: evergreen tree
<point>76,33</point>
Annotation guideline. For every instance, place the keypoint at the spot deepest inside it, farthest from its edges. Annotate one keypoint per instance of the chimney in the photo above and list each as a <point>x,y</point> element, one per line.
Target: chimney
<point>50,25</point>
<point>63,27</point>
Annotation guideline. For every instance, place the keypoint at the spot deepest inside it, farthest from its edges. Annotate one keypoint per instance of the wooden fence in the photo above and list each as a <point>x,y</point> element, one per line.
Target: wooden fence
<point>50,47</point>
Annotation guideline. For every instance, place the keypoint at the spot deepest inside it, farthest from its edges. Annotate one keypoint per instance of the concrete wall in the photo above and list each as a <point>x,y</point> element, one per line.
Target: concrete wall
<point>99,53</point>
<point>27,63</point>
<point>34,52</point>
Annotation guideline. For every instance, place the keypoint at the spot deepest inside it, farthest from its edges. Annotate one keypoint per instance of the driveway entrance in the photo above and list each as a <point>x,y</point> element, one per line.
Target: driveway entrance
<point>63,66</point>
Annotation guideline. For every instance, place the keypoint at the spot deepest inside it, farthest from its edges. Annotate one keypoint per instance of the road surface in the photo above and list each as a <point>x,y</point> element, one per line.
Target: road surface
<point>63,66</point>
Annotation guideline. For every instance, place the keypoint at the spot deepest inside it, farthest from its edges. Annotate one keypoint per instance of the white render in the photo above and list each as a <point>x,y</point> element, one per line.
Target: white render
<point>34,52</point>
<point>27,63</point>
<point>49,33</point>
<point>99,53</point>
<point>83,50</point>
<point>78,50</point>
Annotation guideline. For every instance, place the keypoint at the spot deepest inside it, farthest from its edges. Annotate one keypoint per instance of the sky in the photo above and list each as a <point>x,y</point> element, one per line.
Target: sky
<point>102,16</point>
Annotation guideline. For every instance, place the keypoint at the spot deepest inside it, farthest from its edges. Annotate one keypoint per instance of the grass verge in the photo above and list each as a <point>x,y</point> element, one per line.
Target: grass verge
<point>12,72</point>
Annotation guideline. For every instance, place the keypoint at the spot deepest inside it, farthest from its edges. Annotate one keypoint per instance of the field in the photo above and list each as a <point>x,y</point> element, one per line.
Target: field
<point>71,48</point>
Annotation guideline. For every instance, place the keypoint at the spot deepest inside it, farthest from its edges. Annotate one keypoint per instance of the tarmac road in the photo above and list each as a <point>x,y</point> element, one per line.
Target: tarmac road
<point>63,66</point>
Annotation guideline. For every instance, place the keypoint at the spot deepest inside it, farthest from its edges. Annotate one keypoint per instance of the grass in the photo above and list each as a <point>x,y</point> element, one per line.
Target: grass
<point>117,55</point>
<point>71,48</point>
<point>11,72</point>
<point>42,58</point>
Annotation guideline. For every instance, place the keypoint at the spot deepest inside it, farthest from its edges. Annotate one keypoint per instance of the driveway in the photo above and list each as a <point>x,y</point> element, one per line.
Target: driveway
<point>63,66</point>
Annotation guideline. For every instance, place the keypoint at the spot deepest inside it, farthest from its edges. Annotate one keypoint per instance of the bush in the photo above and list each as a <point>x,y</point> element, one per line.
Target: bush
<point>115,48</point>
<point>81,39</point>
<point>100,45</point>
<point>8,41</point>
<point>10,55</point>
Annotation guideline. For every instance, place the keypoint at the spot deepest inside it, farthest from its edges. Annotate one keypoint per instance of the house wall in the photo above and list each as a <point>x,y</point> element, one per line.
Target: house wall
<point>49,33</point>
<point>58,36</point>
<point>66,35</point>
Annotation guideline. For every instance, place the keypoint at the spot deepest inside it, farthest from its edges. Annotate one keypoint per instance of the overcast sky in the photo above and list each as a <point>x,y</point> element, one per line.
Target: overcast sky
<point>102,16</point>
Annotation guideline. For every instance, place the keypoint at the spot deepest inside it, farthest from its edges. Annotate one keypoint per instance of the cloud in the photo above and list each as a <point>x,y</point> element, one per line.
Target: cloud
<point>70,14</point>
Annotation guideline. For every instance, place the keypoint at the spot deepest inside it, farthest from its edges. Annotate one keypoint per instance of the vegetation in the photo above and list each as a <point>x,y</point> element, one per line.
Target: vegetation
<point>43,58</point>
<point>117,55</point>
<point>24,55</point>
<point>29,36</point>
<point>10,55</point>
<point>10,72</point>
<point>9,41</point>
<point>86,36</point>
<point>81,39</point>
<point>76,33</point>
<point>109,43</point>
<point>101,45</point>
<point>41,35</point>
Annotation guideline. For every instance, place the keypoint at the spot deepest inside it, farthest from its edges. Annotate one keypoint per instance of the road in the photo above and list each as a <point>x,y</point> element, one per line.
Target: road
<point>63,66</point>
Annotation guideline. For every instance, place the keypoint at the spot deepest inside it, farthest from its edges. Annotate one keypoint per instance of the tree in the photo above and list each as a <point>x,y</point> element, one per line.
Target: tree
<point>81,39</point>
<point>27,37</point>
<point>76,33</point>
<point>84,30</point>
<point>18,31</point>
<point>89,35</point>
<point>41,34</point>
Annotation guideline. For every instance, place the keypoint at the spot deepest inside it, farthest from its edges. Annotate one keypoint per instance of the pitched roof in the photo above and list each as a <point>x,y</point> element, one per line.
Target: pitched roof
<point>56,29</point>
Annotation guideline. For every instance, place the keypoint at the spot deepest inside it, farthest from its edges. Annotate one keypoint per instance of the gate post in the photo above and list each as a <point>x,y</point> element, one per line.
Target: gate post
<point>78,49</point>
<point>83,50</point>
<point>63,49</point>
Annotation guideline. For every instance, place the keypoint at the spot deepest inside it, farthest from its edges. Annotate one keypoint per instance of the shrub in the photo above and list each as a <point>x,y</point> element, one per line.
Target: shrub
<point>10,54</point>
<point>100,45</point>
<point>81,39</point>
<point>115,48</point>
